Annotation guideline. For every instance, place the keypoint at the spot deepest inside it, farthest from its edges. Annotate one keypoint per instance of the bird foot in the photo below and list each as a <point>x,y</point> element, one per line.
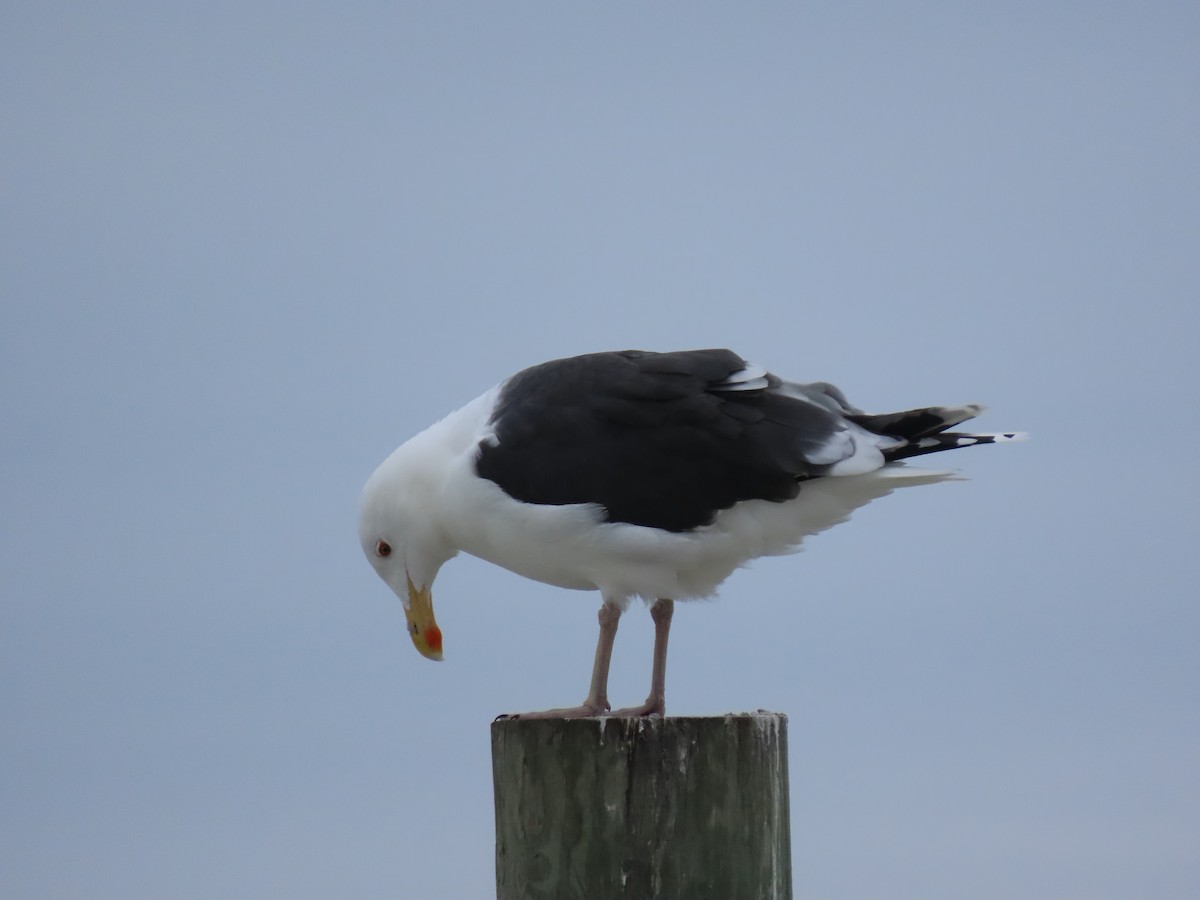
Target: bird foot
<point>654,706</point>
<point>586,711</point>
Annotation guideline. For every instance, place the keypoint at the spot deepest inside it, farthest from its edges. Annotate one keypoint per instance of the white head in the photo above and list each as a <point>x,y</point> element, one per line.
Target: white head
<point>398,530</point>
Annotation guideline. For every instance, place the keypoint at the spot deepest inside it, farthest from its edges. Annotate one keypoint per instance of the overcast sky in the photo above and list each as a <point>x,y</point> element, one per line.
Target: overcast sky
<point>247,248</point>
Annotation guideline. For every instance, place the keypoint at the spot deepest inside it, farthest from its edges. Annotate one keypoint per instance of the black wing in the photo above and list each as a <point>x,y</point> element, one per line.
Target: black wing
<point>659,439</point>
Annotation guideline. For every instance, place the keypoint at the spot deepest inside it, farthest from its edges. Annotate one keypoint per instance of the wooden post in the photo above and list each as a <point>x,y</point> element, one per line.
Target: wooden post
<point>612,808</point>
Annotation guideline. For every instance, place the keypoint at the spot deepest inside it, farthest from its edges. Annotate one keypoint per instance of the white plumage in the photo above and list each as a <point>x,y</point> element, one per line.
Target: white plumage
<point>428,501</point>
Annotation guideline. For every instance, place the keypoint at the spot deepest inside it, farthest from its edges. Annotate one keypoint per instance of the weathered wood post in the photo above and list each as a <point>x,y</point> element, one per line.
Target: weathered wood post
<point>609,808</point>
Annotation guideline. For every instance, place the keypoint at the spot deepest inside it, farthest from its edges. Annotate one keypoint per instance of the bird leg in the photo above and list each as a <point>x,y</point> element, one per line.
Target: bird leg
<point>656,703</point>
<point>596,703</point>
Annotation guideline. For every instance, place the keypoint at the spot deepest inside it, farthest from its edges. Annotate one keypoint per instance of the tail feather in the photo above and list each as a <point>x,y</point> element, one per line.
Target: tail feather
<point>914,424</point>
<point>950,440</point>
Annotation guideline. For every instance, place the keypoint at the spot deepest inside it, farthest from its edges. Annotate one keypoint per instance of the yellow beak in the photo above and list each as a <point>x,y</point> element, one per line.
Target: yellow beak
<point>422,628</point>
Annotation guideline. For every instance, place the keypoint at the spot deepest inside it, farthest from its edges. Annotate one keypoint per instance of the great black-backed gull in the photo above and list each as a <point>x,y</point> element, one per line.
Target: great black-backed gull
<point>636,474</point>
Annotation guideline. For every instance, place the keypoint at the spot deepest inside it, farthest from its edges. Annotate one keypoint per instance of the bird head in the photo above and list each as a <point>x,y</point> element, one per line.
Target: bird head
<point>398,533</point>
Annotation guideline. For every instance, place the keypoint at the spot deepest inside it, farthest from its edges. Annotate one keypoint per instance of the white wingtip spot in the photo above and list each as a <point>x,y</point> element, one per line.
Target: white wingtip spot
<point>751,378</point>
<point>969,410</point>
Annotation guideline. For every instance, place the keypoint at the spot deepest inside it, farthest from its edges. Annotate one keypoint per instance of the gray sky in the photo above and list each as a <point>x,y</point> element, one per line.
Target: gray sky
<point>248,248</point>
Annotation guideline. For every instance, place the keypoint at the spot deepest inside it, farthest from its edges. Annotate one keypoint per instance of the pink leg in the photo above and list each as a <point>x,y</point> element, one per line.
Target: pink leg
<point>656,703</point>
<point>596,703</point>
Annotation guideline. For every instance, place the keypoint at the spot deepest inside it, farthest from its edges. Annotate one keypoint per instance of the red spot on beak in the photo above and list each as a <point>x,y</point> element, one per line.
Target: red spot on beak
<point>433,637</point>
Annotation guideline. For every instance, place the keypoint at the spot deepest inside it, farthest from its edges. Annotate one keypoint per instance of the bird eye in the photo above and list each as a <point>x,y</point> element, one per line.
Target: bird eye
<point>383,548</point>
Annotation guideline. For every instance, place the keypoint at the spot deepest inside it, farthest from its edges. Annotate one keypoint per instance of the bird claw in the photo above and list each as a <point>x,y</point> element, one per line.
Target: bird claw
<point>654,706</point>
<point>586,711</point>
<point>651,707</point>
